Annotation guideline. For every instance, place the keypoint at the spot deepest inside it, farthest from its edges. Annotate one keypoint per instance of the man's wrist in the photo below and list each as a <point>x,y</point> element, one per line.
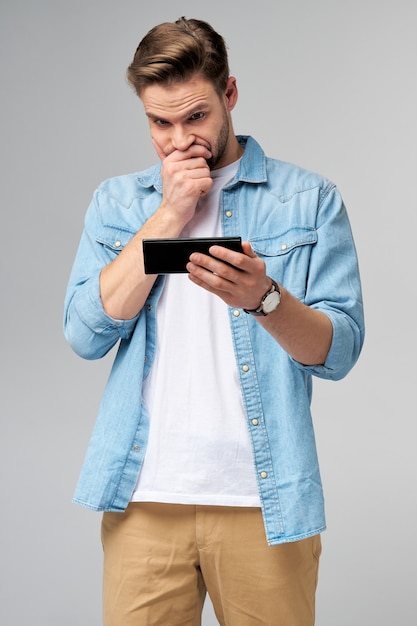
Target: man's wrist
<point>269,302</point>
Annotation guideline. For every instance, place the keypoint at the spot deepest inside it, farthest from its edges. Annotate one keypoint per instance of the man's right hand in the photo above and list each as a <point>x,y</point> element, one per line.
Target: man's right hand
<point>185,177</point>
<point>124,286</point>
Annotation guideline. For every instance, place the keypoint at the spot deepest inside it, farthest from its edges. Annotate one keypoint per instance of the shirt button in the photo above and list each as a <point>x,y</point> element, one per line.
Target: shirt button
<point>149,307</point>
<point>136,448</point>
<point>236,312</point>
<point>229,213</point>
<point>245,368</point>
<point>264,475</point>
<point>117,244</point>
<point>284,246</point>
<point>255,422</point>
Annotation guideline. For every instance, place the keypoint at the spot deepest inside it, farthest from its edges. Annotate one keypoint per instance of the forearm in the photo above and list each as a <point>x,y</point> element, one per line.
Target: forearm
<point>124,286</point>
<point>305,333</point>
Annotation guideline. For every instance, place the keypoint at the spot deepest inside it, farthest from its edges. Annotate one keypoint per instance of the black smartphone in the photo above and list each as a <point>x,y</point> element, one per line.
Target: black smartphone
<point>170,256</point>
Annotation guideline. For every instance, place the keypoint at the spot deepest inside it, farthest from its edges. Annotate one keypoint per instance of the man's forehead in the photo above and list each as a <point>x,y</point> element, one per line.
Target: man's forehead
<point>178,96</point>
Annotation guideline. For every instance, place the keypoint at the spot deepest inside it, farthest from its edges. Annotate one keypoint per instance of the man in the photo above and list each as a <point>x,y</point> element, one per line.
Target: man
<point>203,456</point>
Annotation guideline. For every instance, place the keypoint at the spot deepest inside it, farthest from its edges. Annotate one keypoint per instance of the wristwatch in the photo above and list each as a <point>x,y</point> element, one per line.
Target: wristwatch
<point>270,301</point>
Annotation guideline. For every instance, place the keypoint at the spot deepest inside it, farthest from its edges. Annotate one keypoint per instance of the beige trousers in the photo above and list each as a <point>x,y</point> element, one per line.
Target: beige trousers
<point>161,559</point>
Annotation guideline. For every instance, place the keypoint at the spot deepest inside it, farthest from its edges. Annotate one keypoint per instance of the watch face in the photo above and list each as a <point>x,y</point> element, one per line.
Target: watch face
<point>271,302</point>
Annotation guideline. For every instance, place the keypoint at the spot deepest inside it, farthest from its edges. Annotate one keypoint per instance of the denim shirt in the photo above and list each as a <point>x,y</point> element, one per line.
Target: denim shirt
<point>296,222</point>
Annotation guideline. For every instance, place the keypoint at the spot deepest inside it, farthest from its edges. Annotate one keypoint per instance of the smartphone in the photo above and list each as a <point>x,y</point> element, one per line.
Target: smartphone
<point>170,256</point>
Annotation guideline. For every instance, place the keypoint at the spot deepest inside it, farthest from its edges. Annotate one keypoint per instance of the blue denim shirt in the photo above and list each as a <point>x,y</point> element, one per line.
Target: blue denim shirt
<point>297,223</point>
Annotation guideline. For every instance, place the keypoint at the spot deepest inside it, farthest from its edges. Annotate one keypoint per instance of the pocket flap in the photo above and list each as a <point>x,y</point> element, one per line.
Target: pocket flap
<point>114,237</point>
<point>277,245</point>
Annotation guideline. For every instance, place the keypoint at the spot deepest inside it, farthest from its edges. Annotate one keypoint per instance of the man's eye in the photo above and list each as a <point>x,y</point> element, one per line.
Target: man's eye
<point>160,122</point>
<point>197,116</point>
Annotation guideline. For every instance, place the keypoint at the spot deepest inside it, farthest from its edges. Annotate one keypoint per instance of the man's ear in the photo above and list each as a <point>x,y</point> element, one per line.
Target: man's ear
<point>231,93</point>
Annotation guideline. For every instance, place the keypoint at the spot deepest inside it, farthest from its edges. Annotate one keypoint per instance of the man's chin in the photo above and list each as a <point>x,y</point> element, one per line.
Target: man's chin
<point>213,163</point>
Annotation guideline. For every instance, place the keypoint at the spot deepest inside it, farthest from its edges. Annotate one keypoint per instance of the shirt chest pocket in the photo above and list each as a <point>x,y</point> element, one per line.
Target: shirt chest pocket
<point>287,257</point>
<point>113,239</point>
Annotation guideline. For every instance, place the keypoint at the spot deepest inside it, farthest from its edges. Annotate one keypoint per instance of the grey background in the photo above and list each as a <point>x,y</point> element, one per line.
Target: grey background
<point>329,85</point>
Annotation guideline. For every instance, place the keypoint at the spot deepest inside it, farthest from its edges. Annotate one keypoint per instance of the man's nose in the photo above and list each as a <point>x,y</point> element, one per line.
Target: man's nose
<point>181,139</point>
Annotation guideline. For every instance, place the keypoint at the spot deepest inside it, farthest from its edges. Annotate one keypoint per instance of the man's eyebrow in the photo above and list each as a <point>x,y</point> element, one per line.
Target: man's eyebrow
<point>152,116</point>
<point>197,109</point>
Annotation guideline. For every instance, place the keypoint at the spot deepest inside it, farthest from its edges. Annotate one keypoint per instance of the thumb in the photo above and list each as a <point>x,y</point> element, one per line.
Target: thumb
<point>247,249</point>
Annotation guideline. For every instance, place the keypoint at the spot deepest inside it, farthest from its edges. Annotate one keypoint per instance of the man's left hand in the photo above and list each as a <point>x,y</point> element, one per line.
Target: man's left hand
<point>240,280</point>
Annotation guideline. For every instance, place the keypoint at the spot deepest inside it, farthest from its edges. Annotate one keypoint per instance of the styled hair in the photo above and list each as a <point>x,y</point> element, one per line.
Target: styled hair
<point>175,51</point>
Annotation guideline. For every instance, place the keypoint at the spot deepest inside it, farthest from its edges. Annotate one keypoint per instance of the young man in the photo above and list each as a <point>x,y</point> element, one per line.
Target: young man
<point>203,454</point>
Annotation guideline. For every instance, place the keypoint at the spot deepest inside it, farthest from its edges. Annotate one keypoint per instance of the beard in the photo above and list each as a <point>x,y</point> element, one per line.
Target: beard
<point>220,146</point>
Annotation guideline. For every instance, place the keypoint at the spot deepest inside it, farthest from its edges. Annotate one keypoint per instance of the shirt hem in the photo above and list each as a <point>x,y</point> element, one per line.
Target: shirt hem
<point>196,499</point>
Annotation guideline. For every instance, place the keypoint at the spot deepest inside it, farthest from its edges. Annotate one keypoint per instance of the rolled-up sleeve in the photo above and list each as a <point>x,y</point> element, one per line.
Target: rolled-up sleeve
<point>334,287</point>
<point>87,327</point>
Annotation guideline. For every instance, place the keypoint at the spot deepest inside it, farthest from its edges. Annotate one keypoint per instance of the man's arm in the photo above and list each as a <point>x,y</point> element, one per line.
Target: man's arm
<point>303,332</point>
<point>124,286</point>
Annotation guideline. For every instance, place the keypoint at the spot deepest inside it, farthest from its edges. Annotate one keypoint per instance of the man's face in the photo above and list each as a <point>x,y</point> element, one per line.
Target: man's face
<point>192,112</point>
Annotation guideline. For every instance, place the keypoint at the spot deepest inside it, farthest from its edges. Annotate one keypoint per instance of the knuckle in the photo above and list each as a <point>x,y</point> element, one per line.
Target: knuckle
<point>239,261</point>
<point>216,281</point>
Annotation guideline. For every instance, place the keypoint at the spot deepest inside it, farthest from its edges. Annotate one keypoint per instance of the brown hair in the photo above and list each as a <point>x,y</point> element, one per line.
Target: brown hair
<point>175,51</point>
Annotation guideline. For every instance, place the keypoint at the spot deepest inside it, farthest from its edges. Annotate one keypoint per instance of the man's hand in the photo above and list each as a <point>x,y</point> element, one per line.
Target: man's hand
<point>124,286</point>
<point>302,331</point>
<point>186,177</point>
<point>240,280</point>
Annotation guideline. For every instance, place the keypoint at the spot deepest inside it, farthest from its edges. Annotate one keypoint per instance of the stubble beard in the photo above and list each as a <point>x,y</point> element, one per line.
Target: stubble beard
<point>221,144</point>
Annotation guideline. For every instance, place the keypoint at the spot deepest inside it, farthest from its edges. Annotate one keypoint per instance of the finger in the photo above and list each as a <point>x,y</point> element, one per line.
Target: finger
<point>230,257</point>
<point>207,267</point>
<point>233,257</point>
<point>194,151</point>
<point>207,278</point>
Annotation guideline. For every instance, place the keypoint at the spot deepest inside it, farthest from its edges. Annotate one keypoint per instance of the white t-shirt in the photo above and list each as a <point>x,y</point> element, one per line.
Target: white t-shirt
<point>199,450</point>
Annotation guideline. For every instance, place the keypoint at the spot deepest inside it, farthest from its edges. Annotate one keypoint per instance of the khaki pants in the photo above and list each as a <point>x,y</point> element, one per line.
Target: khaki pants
<point>161,559</point>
